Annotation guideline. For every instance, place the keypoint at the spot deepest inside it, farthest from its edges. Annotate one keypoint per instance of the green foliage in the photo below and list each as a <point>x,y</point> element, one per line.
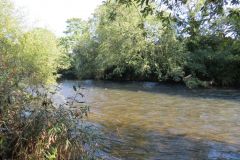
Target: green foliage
<point>32,56</point>
<point>194,83</point>
<point>41,57</point>
<point>216,63</point>
<point>85,60</point>
<point>127,40</point>
<point>75,28</point>
<point>120,44</point>
<point>31,127</point>
<point>233,19</point>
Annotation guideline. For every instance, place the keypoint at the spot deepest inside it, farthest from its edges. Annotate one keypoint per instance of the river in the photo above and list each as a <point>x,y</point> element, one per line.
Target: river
<point>144,120</point>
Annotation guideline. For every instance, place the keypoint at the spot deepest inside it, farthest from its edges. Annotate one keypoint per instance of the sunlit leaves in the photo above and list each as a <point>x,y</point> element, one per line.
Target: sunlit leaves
<point>40,55</point>
<point>127,45</point>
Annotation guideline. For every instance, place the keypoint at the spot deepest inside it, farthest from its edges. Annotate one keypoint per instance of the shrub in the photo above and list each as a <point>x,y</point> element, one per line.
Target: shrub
<point>33,128</point>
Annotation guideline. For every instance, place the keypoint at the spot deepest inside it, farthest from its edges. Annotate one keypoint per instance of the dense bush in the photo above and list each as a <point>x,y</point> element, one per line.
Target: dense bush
<point>118,44</point>
<point>216,60</point>
<point>130,40</point>
<point>31,126</point>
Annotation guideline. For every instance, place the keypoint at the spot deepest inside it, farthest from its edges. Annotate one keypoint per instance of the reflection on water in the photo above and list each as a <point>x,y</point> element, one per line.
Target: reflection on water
<point>152,121</point>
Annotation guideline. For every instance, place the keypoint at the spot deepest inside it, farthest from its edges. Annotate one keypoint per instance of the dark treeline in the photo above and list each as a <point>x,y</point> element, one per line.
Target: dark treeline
<point>195,42</point>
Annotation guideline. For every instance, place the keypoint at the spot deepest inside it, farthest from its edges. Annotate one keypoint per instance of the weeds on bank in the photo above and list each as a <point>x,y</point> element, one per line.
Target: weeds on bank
<point>31,127</point>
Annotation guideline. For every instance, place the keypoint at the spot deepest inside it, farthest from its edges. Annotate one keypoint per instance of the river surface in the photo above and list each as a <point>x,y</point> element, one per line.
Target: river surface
<point>144,120</point>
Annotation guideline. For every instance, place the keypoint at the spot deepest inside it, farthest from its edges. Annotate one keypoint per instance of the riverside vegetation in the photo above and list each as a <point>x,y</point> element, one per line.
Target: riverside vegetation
<point>31,126</point>
<point>194,42</point>
<point>191,42</point>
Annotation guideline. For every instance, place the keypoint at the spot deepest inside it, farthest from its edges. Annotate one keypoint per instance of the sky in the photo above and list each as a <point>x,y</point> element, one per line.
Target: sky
<point>52,14</point>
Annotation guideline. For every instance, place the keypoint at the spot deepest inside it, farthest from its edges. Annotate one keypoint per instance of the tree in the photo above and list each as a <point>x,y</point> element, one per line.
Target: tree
<point>27,60</point>
<point>41,57</point>
<point>75,28</point>
<point>178,41</point>
<point>120,44</point>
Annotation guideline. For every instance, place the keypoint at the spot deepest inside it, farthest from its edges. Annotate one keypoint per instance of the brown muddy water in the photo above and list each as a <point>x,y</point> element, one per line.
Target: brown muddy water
<point>144,120</point>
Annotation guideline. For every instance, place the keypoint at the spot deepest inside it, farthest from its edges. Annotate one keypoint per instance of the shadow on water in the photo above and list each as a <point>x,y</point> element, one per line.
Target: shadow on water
<point>135,143</point>
<point>162,88</point>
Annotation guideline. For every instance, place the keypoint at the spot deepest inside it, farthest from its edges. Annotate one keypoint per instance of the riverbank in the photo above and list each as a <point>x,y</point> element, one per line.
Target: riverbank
<point>69,75</point>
